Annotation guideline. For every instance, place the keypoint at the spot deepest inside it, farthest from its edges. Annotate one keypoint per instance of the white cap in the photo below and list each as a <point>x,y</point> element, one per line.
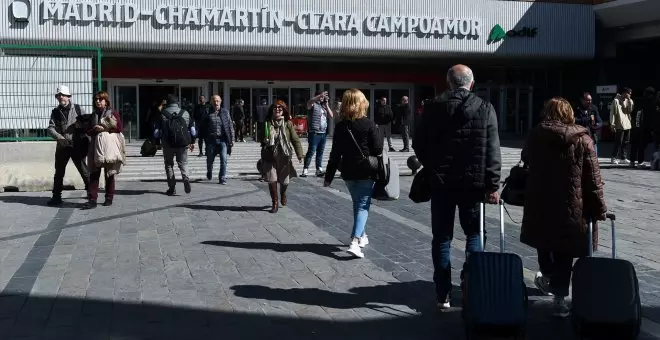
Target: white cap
<point>63,90</point>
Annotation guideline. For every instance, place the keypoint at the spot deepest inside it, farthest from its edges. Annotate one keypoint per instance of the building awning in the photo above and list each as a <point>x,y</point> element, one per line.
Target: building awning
<point>620,13</point>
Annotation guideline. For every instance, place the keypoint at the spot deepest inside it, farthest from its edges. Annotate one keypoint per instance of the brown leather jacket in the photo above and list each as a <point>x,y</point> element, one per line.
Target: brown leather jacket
<point>564,189</point>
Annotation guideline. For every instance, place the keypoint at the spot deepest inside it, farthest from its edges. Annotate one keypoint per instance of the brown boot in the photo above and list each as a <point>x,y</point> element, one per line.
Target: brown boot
<point>273,194</point>
<point>283,188</point>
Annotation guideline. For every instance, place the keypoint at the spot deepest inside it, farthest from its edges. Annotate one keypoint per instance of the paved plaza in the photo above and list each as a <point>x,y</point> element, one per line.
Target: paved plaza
<point>216,265</point>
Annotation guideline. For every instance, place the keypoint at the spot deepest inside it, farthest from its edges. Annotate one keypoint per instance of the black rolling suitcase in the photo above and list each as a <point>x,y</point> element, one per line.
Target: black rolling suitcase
<point>606,301</point>
<point>494,293</point>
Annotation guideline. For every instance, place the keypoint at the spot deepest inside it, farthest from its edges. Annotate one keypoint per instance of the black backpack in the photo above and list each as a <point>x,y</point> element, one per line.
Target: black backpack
<point>178,134</point>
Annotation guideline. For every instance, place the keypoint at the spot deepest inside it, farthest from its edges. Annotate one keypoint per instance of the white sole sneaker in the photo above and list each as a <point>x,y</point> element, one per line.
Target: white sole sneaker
<point>542,284</point>
<point>356,251</point>
<point>363,241</point>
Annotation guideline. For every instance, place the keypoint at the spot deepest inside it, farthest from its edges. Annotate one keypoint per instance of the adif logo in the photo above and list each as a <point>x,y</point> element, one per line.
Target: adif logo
<point>497,33</point>
<point>20,10</point>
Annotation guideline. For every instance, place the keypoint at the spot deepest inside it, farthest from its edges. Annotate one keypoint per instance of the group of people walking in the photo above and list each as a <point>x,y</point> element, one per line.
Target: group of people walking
<point>93,142</point>
<point>456,142</point>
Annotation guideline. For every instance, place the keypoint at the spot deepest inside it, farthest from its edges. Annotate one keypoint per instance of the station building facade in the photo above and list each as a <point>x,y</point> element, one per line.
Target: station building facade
<point>262,50</point>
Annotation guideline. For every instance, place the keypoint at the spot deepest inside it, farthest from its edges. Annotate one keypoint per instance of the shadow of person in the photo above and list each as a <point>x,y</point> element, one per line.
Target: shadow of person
<point>417,295</point>
<point>237,208</point>
<point>38,201</point>
<point>326,250</point>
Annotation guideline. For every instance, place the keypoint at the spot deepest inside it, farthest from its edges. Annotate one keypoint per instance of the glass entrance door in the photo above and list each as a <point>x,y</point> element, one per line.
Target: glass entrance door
<point>190,97</point>
<point>152,99</point>
<point>126,103</point>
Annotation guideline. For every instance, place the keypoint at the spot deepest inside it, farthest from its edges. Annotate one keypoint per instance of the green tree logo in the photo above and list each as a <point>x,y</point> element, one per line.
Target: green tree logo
<point>496,34</point>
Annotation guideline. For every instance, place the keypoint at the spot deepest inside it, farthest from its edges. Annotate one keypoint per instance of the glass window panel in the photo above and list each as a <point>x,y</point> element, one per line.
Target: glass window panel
<point>125,102</point>
<point>299,98</point>
<point>152,99</point>
<point>281,94</point>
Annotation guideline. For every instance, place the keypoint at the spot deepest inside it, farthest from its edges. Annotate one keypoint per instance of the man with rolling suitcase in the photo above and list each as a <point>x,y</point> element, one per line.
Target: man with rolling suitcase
<point>458,143</point>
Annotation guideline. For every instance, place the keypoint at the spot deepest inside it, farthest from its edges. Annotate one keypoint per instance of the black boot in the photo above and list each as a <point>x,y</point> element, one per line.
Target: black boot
<point>273,195</point>
<point>283,188</point>
<point>55,201</point>
<point>89,205</point>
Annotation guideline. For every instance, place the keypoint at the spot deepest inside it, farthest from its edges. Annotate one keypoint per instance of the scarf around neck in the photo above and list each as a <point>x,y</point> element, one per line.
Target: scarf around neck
<point>278,135</point>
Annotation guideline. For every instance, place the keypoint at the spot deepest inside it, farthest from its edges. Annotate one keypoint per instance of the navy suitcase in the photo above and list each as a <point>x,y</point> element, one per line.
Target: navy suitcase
<point>606,300</point>
<point>494,293</point>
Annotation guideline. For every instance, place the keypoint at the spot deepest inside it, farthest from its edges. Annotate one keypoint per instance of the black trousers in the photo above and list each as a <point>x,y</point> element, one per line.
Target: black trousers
<point>639,139</point>
<point>558,268</point>
<point>77,154</point>
<point>621,141</point>
<point>239,130</point>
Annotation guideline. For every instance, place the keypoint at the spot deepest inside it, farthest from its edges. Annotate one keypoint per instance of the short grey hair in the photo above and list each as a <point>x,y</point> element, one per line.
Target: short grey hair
<point>460,77</point>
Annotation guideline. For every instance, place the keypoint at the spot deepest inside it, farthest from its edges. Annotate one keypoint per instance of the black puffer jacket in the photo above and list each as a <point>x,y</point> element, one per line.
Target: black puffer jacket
<point>458,141</point>
<point>346,156</point>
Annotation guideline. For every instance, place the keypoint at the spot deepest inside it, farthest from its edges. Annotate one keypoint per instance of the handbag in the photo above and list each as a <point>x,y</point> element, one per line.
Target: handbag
<point>515,185</point>
<point>371,163</point>
<point>420,189</point>
<point>268,152</point>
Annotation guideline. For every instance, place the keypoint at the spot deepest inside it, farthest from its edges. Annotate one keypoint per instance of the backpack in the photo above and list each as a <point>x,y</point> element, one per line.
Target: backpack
<point>178,134</point>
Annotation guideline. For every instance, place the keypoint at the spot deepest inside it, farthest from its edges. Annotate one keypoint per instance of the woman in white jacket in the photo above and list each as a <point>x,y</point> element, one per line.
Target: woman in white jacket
<point>106,149</point>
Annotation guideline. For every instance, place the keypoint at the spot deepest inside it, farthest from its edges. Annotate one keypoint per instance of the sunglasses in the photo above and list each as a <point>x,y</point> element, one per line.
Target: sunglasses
<point>279,107</point>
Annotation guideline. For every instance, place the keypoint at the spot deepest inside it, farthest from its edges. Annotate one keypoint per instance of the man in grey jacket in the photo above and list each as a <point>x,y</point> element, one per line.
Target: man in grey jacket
<point>167,131</point>
<point>72,142</point>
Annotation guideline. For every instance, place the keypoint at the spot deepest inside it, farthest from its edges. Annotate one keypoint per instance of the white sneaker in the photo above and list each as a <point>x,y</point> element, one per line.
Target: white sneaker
<point>626,161</point>
<point>645,165</point>
<point>542,283</point>
<point>613,161</point>
<point>305,173</point>
<point>446,304</point>
<point>363,241</point>
<point>560,307</point>
<point>320,172</point>
<point>354,249</point>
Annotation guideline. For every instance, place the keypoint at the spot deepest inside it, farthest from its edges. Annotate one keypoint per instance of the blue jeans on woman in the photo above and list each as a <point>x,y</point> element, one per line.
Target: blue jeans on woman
<point>361,192</point>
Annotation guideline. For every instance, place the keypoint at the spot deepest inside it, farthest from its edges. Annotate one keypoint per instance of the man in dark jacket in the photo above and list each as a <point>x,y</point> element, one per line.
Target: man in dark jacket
<point>641,133</point>
<point>588,116</point>
<point>458,144</point>
<point>219,132</point>
<point>72,142</point>
<point>384,117</point>
<point>404,116</point>
<point>198,116</point>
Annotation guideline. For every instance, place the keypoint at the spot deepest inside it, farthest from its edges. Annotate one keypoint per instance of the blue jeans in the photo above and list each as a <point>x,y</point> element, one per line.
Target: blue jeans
<point>361,192</point>
<point>316,145</point>
<point>443,210</point>
<point>216,147</point>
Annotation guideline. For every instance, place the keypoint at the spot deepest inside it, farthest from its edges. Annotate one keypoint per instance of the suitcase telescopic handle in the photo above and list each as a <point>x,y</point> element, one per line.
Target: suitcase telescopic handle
<point>612,218</point>
<point>482,225</point>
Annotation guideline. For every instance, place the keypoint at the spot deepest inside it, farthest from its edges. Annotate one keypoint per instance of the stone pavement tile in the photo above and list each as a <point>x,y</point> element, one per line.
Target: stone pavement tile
<point>257,271</point>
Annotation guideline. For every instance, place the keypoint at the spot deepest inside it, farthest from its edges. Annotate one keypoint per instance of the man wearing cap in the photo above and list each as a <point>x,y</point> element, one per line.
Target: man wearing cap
<point>72,142</point>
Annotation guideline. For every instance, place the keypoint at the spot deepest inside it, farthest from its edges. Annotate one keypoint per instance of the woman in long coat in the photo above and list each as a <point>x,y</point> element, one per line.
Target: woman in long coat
<point>277,148</point>
<point>564,191</point>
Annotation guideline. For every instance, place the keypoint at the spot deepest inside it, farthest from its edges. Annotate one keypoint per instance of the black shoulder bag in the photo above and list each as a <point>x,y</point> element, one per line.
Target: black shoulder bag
<point>515,185</point>
<point>370,163</point>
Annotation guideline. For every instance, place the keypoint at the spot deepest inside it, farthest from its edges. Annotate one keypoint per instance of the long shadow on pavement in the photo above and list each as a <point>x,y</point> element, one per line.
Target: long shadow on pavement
<point>412,294</point>
<point>225,207</point>
<point>72,318</point>
<point>326,250</point>
<point>39,201</point>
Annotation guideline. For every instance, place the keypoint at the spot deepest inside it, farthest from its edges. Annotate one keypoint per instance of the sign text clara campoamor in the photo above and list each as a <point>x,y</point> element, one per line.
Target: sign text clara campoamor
<point>264,18</point>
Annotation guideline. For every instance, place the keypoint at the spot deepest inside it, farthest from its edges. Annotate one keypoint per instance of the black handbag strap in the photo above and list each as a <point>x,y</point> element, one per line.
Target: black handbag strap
<point>356,143</point>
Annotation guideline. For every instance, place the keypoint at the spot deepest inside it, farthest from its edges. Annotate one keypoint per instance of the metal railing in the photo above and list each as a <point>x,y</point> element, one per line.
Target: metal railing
<point>29,77</point>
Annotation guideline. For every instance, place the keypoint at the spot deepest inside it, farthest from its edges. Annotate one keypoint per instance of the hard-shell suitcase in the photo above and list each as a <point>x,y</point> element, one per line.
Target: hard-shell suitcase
<point>494,294</point>
<point>606,300</point>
